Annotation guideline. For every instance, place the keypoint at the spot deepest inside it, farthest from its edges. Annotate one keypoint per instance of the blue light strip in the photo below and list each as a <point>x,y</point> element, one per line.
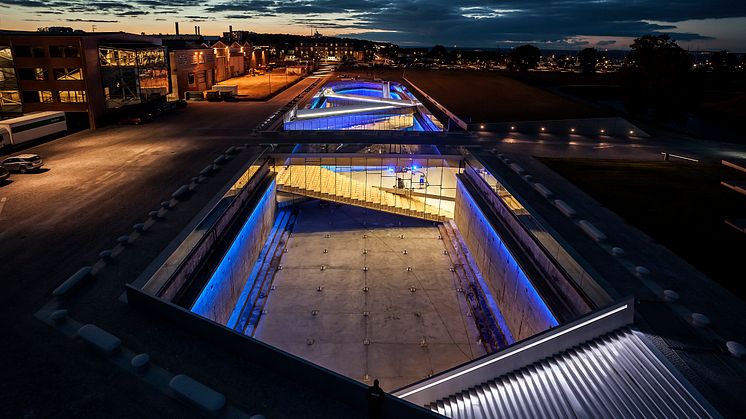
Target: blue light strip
<point>222,272</point>
<point>536,301</point>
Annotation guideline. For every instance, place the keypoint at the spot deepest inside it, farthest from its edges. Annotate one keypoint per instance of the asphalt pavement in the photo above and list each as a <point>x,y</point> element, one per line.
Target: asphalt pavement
<point>94,186</point>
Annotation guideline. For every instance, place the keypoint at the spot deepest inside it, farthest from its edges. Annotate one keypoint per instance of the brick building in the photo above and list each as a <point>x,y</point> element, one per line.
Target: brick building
<point>90,76</point>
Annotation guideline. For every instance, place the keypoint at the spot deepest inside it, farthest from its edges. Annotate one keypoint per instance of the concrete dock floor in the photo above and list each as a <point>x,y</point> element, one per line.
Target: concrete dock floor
<point>406,335</point>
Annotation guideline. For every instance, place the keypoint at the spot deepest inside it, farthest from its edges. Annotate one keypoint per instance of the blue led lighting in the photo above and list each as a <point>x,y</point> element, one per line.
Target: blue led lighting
<point>536,302</point>
<point>212,292</point>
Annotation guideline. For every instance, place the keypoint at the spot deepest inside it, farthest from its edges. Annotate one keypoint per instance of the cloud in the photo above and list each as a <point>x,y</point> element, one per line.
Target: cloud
<point>91,20</point>
<point>427,22</point>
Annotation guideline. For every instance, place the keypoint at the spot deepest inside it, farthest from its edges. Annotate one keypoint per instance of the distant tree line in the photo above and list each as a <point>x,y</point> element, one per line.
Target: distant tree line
<point>659,78</point>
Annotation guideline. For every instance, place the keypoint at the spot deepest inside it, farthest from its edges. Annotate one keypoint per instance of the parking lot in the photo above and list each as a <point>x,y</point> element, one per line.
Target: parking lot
<point>94,186</point>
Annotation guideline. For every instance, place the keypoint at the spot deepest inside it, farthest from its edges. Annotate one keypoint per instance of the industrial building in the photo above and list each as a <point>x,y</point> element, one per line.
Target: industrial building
<point>91,77</point>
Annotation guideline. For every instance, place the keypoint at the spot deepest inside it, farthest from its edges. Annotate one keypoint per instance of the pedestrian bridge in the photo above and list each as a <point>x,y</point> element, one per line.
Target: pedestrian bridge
<point>416,186</point>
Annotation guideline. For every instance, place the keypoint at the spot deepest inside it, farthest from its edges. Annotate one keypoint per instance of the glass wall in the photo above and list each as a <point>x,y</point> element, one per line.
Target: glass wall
<point>133,75</point>
<point>420,187</point>
<point>10,96</point>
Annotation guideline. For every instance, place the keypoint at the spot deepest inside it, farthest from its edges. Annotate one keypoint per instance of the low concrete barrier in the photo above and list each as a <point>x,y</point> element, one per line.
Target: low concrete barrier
<point>207,170</point>
<point>71,282</point>
<point>592,231</point>
<point>517,168</point>
<point>197,393</point>
<point>542,190</point>
<point>181,192</point>
<point>565,208</point>
<point>99,338</point>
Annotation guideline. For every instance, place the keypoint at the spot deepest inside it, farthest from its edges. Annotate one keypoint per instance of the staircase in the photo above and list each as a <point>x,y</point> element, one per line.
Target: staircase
<point>317,181</point>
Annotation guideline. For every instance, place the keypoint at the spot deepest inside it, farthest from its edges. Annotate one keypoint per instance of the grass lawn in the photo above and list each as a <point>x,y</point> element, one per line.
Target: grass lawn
<point>477,96</point>
<point>680,205</point>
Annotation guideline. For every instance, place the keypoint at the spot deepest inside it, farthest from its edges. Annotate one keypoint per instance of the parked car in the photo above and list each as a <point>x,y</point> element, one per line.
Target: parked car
<point>23,163</point>
<point>130,120</point>
<point>4,174</point>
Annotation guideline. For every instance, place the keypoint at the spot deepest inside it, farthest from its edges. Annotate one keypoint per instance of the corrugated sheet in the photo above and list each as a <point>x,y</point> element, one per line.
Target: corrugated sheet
<point>614,376</point>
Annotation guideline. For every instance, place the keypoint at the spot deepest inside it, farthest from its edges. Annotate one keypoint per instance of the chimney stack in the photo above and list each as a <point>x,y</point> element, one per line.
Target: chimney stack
<point>177,27</point>
<point>196,32</point>
<point>230,33</point>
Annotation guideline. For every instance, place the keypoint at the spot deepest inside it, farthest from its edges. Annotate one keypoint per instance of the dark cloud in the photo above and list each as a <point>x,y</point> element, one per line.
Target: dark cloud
<point>469,22</point>
<point>91,20</point>
<point>237,16</point>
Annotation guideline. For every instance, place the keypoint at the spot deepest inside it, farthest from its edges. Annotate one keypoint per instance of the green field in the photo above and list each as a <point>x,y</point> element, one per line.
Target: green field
<point>480,96</point>
<point>680,205</point>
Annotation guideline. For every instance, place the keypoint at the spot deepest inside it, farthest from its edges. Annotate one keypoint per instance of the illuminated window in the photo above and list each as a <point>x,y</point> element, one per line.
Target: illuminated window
<point>45,96</point>
<point>67,96</point>
<point>68,74</point>
<point>67,51</point>
<point>32,73</point>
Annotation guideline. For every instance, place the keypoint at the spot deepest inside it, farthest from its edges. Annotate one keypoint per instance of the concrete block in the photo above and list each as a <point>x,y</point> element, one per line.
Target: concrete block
<point>123,240</point>
<point>206,171</point>
<point>58,316</point>
<point>220,159</point>
<point>700,320</point>
<point>542,190</point>
<point>232,150</point>
<point>735,348</point>
<point>670,296</point>
<point>642,271</point>
<point>71,282</point>
<point>617,251</point>
<point>139,227</point>
<point>99,338</point>
<point>592,231</point>
<point>565,208</point>
<point>181,192</point>
<point>197,393</point>
<point>517,168</point>
<point>105,254</point>
<point>140,361</point>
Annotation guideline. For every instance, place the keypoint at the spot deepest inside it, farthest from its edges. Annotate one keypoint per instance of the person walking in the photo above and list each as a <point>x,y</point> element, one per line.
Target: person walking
<point>375,397</point>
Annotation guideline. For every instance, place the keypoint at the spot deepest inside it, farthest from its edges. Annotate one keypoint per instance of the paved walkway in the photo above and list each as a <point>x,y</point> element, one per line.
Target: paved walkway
<point>387,322</point>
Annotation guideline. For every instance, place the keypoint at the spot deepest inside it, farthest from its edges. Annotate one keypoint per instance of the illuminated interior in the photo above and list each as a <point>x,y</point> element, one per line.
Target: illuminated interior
<point>362,105</point>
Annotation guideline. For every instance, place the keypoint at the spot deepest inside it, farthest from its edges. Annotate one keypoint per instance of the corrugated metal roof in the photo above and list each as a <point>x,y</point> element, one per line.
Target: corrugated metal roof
<point>617,375</point>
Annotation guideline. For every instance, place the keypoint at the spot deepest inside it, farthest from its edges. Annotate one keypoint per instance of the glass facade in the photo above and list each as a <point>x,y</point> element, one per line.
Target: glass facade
<point>362,105</point>
<point>72,96</point>
<point>68,74</point>
<point>133,75</point>
<point>10,96</point>
<point>420,187</point>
